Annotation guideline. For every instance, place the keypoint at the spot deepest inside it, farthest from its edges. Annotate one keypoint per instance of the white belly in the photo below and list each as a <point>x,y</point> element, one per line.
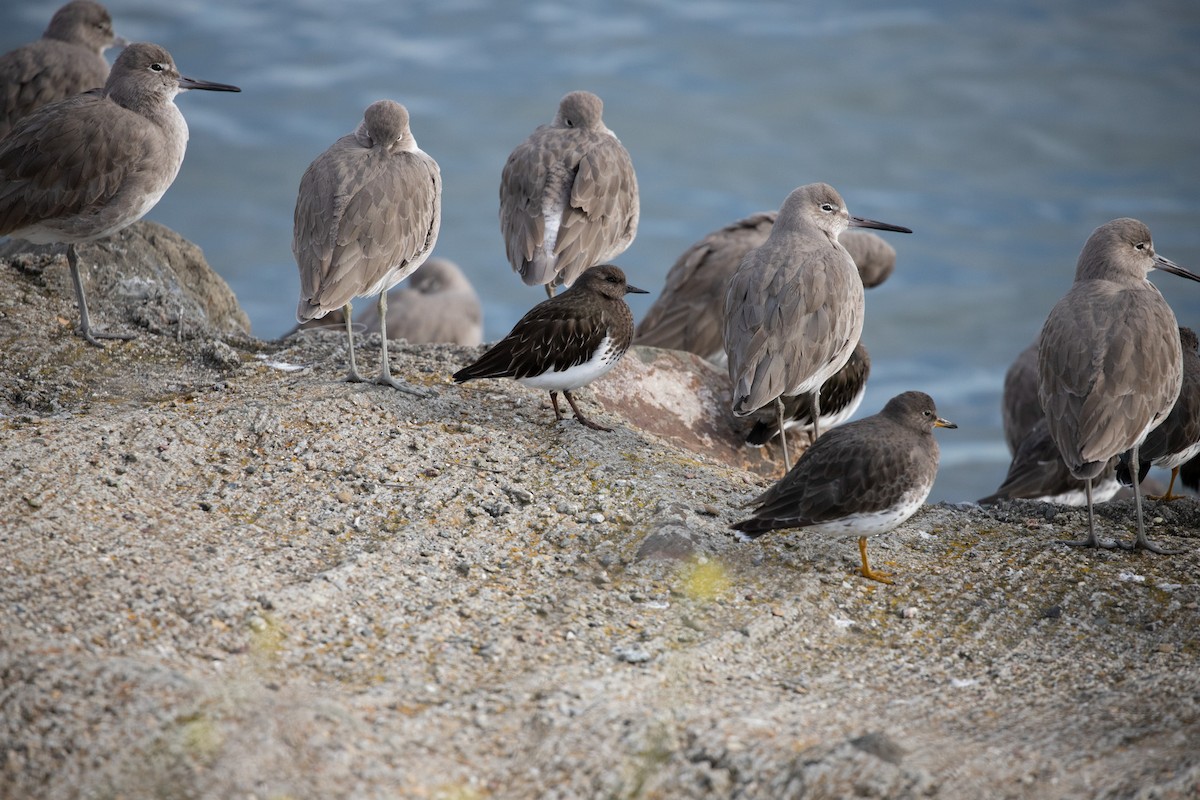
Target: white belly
<point>602,361</point>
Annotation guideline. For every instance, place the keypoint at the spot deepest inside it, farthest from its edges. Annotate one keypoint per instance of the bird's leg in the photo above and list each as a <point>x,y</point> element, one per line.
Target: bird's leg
<point>814,410</point>
<point>579,414</point>
<point>1091,540</point>
<point>867,572</point>
<point>385,368</point>
<point>787,461</point>
<point>1170,493</point>
<point>353,377</point>
<point>557,411</point>
<point>85,322</point>
<point>1142,543</point>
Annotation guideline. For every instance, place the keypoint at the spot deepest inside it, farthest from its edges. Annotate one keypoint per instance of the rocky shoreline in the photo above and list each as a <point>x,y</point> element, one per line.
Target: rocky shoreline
<point>228,574</point>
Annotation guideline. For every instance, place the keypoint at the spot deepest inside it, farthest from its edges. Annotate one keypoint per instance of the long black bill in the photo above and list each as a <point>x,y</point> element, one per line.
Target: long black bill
<point>859,222</point>
<point>192,83</point>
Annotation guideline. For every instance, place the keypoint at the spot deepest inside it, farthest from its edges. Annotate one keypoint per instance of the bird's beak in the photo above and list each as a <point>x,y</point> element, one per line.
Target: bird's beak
<point>192,83</point>
<point>635,290</point>
<point>119,41</point>
<point>1167,265</point>
<point>859,222</point>
<point>943,423</point>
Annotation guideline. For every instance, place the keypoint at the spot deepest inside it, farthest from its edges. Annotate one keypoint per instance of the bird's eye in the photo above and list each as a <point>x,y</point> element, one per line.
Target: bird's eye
<point>570,124</point>
<point>827,208</point>
<point>1140,246</point>
<point>157,67</point>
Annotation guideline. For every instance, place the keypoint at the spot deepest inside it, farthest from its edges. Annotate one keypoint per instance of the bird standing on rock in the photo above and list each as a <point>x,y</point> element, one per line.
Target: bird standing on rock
<point>367,216</point>
<point>88,166</point>
<point>861,478</point>
<point>794,308</point>
<point>568,196</point>
<point>1110,365</point>
<point>567,341</point>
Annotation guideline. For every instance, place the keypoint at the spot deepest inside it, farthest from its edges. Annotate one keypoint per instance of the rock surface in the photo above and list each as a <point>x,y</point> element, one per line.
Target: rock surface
<point>227,574</point>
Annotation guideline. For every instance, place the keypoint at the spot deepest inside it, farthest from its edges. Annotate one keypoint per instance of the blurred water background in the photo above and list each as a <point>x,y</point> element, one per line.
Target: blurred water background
<point>1002,133</point>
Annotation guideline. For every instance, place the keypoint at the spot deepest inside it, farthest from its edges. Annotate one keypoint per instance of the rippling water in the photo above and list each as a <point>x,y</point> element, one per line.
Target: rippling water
<point>1003,133</point>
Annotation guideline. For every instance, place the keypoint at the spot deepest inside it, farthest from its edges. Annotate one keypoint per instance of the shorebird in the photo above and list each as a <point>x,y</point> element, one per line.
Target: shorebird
<point>1020,409</point>
<point>1037,472</point>
<point>794,308</point>
<point>567,341</point>
<point>862,478</point>
<point>67,60</point>
<point>436,304</point>
<point>568,196</point>
<point>1110,365</point>
<point>86,167</point>
<point>1177,440</point>
<point>367,216</point>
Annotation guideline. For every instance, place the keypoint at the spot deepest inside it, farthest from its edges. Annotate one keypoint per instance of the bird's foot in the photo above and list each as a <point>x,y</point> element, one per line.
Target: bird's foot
<point>388,380</point>
<point>90,336</point>
<point>1142,543</point>
<point>1091,541</point>
<point>596,426</point>
<point>875,575</point>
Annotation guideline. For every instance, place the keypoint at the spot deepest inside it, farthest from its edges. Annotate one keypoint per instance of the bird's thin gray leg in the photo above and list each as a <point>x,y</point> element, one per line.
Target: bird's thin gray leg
<point>353,377</point>
<point>1091,540</point>
<point>1142,543</point>
<point>385,369</point>
<point>787,461</point>
<point>85,322</point>
<point>814,409</point>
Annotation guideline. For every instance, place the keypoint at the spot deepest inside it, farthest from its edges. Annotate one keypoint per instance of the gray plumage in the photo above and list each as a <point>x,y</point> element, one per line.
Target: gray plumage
<point>568,196</point>
<point>86,167</point>
<point>67,60</point>
<point>794,307</point>
<point>1177,440</point>
<point>367,215</point>
<point>862,478</point>
<point>1020,408</point>
<point>1109,360</point>
<point>1038,472</point>
<point>689,312</point>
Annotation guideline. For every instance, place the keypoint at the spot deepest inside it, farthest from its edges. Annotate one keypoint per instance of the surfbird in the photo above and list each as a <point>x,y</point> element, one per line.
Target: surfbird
<point>436,304</point>
<point>1177,440</point>
<point>1110,365</point>
<point>567,341</point>
<point>367,216</point>
<point>862,478</point>
<point>794,307</point>
<point>568,196</point>
<point>67,60</point>
<point>86,167</point>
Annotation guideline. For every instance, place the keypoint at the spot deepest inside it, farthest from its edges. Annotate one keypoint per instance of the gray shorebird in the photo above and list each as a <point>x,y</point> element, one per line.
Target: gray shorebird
<point>436,304</point>
<point>1110,365</point>
<point>67,60</point>
<point>567,341</point>
<point>1177,440</point>
<point>1020,408</point>
<point>568,196</point>
<point>794,308</point>
<point>862,478</point>
<point>367,216</point>
<point>86,167</point>
<point>1037,472</point>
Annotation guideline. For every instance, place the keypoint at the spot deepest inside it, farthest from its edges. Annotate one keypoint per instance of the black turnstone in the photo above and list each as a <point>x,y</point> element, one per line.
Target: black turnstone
<point>568,196</point>
<point>567,341</point>
<point>86,167</point>
<point>794,308</point>
<point>67,60</point>
<point>1177,440</point>
<point>1110,365</point>
<point>367,216</point>
<point>861,478</point>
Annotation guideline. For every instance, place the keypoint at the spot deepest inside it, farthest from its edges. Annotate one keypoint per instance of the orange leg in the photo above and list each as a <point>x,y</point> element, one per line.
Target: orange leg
<point>1170,495</point>
<point>867,572</point>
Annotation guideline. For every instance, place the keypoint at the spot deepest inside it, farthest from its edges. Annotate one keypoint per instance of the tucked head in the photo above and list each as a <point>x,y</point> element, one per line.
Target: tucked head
<point>84,23</point>
<point>384,124</point>
<point>608,280</point>
<point>580,110</point>
<point>915,410</point>
<point>1123,251</point>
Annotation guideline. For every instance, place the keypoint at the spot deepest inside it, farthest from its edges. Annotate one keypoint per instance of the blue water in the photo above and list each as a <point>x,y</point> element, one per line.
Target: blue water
<point>1002,133</point>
